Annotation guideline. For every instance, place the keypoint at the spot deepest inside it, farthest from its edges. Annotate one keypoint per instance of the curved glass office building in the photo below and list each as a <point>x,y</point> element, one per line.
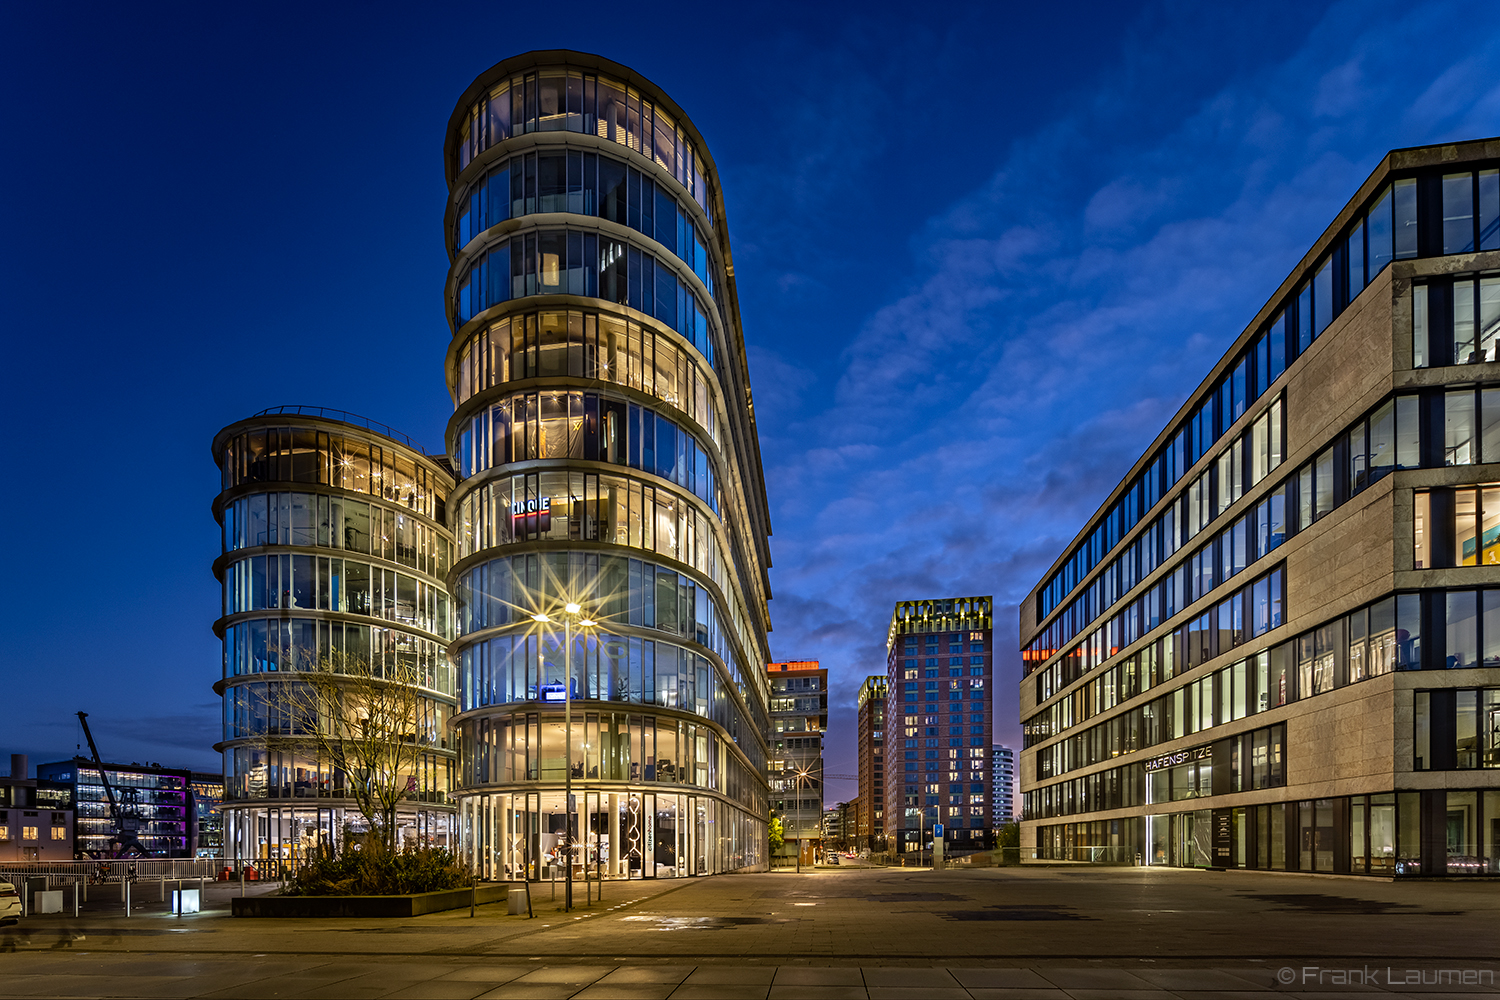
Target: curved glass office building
<point>335,553</point>
<point>607,463</point>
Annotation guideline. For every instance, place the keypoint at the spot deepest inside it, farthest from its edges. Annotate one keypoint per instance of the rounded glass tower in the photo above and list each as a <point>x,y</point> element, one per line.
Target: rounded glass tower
<point>335,553</point>
<point>610,514</point>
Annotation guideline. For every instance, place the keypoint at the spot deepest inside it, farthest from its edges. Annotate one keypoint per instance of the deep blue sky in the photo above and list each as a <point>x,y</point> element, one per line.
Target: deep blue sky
<point>983,251</point>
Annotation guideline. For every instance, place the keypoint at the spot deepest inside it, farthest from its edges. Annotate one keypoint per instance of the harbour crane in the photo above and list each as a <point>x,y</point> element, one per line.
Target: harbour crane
<point>125,841</point>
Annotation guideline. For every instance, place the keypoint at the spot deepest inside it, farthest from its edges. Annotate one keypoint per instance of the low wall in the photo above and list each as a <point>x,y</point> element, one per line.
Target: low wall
<point>366,906</point>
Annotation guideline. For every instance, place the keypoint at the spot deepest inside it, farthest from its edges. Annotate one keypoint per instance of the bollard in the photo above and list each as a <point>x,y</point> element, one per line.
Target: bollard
<point>242,877</point>
<point>202,896</point>
<point>161,889</point>
<point>77,888</point>
<point>126,884</point>
<point>473,897</point>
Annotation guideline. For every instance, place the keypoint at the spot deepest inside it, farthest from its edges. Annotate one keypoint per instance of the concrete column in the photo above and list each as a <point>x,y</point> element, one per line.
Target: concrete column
<point>614,834</point>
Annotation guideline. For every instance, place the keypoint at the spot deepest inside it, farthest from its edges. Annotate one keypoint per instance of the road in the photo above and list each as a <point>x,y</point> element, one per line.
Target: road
<point>887,933</point>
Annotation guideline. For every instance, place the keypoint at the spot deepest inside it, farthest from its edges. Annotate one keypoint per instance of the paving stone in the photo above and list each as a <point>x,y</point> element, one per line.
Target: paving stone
<point>648,974</point>
<point>796,975</point>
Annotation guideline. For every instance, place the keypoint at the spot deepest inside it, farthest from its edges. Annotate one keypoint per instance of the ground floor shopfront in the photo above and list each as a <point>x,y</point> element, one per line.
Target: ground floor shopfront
<point>617,832</point>
<point>286,832</point>
<point>1429,832</point>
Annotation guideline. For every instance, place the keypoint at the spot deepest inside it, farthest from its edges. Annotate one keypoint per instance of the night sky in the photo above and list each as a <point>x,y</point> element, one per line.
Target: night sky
<point>983,254</point>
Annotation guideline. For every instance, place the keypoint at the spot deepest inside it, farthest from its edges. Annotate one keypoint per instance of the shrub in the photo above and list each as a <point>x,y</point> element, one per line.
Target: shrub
<point>367,868</point>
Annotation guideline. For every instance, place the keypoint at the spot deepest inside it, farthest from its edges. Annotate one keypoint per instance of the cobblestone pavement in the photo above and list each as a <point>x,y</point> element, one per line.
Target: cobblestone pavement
<point>882,933</point>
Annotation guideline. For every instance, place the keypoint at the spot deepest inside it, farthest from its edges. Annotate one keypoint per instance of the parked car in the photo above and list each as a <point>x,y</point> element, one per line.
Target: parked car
<point>10,904</point>
<point>831,859</point>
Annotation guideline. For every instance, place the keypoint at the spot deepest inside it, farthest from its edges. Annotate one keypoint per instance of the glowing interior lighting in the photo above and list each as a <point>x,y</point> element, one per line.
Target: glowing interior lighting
<point>588,623</point>
<point>540,618</point>
<point>571,608</point>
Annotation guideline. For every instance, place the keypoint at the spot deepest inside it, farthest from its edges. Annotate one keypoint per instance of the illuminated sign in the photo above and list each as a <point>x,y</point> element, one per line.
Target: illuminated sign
<point>535,506</point>
<point>1162,761</point>
<point>531,515</point>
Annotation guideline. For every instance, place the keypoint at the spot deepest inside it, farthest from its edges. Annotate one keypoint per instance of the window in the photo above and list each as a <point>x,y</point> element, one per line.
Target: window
<point>1458,213</point>
<point>59,833</point>
<point>1456,729</point>
<point>1474,527</point>
<point>1458,428</point>
<point>1420,358</point>
<point>1462,629</point>
<point>29,833</point>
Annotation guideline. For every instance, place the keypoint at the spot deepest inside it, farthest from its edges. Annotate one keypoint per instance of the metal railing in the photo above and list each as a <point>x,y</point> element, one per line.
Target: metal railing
<point>343,417</point>
<point>148,870</point>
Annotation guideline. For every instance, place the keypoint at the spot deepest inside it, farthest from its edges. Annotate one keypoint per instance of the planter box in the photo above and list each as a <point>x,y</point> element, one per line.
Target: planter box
<point>365,906</point>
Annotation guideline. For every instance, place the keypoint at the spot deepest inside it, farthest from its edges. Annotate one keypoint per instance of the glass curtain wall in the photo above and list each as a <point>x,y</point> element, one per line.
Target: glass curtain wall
<point>625,435</point>
<point>359,555</point>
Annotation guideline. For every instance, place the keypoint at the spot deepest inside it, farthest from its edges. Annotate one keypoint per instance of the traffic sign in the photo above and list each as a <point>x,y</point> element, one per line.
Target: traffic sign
<point>937,829</point>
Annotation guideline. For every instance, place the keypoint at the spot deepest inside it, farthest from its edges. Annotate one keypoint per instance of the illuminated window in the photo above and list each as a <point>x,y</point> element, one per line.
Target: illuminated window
<point>29,833</point>
<point>59,833</point>
<point>4,833</point>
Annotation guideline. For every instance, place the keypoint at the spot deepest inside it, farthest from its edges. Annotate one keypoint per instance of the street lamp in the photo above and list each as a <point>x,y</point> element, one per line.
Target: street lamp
<point>572,615</point>
<point>802,774</point>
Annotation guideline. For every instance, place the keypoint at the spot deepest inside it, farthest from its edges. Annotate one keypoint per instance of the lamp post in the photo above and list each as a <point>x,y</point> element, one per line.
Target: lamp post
<point>797,784</point>
<point>572,614</point>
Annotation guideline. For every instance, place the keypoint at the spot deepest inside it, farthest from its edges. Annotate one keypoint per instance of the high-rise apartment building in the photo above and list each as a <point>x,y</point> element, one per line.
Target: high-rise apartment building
<point>335,550</point>
<point>869,832</point>
<point>610,512</point>
<point>593,699</point>
<point>1003,769</point>
<point>799,718</point>
<point>939,701</point>
<point>1270,647</point>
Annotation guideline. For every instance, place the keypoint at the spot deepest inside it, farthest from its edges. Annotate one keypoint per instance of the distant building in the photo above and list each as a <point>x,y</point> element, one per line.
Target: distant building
<point>36,817</point>
<point>835,825</point>
<point>939,702</point>
<point>870,814</point>
<point>153,802</point>
<point>208,820</point>
<point>799,717</point>
<point>1003,769</point>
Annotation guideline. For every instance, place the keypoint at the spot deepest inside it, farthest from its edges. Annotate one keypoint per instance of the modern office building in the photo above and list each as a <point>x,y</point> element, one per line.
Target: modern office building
<point>1271,647</point>
<point>152,802</point>
<point>36,816</point>
<point>1003,769</point>
<point>869,832</point>
<point>610,512</point>
<point>799,718</point>
<point>939,702</point>
<point>208,815</point>
<point>335,554</point>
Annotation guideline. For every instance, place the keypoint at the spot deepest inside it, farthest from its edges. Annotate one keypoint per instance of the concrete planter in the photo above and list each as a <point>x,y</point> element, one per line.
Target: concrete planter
<point>366,906</point>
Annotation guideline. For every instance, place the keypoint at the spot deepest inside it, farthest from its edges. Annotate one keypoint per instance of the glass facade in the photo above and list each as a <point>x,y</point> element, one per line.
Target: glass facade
<point>599,449</point>
<point>153,802</point>
<point>562,262</point>
<point>335,554</point>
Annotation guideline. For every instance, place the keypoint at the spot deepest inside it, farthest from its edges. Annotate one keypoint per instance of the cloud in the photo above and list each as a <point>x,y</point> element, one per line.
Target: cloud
<point>1049,323</point>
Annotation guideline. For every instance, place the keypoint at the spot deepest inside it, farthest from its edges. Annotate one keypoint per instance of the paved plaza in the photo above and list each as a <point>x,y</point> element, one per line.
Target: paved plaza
<point>869,933</point>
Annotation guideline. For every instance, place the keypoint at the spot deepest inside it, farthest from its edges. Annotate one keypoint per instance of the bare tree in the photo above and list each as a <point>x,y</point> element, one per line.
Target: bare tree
<point>367,721</point>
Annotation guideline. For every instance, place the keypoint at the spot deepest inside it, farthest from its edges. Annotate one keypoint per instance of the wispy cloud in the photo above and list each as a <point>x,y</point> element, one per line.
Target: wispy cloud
<point>1051,320</point>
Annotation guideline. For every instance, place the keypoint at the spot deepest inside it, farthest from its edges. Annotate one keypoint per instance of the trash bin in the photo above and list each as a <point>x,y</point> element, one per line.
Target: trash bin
<point>515,901</point>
